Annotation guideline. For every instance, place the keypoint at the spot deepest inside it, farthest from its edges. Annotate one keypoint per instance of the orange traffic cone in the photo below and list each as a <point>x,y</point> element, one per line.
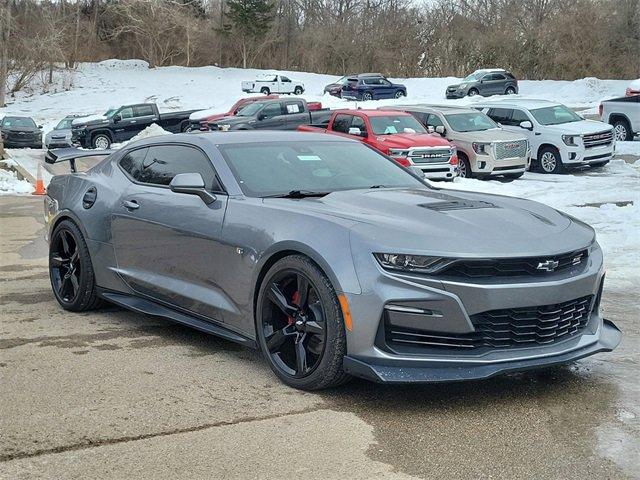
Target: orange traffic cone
<point>40,190</point>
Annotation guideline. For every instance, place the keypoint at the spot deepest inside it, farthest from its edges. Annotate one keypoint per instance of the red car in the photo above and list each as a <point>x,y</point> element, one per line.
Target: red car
<point>398,135</point>
<point>633,88</point>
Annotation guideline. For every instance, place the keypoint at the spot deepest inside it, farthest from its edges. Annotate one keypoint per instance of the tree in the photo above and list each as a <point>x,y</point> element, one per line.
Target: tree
<point>5,25</point>
<point>250,20</point>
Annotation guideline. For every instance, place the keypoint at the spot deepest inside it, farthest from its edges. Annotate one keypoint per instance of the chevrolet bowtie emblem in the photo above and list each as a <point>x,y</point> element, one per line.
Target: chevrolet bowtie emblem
<point>548,265</point>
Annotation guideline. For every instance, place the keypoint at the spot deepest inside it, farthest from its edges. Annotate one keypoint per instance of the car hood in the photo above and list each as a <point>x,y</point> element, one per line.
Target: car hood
<point>491,135</point>
<point>580,128</point>
<point>20,129</point>
<point>450,222</point>
<point>407,140</point>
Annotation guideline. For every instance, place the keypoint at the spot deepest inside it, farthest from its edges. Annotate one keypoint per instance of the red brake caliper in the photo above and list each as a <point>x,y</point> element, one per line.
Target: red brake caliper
<point>295,299</point>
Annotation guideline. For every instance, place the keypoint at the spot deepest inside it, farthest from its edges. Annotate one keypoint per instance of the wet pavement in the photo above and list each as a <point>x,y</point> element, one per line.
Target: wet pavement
<point>113,394</point>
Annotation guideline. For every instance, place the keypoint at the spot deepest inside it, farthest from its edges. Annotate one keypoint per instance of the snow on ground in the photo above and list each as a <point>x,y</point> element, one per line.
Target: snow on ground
<point>10,185</point>
<point>608,199</point>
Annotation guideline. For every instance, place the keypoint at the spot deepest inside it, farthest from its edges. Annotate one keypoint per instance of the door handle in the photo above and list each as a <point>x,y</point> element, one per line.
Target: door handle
<point>134,121</point>
<point>130,205</point>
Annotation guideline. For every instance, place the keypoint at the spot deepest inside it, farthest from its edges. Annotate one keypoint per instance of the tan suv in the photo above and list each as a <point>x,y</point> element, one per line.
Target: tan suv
<point>484,149</point>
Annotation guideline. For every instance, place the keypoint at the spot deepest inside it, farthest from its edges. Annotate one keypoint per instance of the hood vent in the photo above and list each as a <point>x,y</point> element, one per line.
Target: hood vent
<point>447,206</point>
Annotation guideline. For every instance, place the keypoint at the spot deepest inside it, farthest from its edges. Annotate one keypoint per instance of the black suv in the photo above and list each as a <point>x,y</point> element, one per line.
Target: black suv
<point>489,81</point>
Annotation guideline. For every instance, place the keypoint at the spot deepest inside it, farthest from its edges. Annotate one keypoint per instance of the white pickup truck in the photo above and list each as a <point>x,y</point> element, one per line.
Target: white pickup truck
<point>267,84</point>
<point>559,137</point>
<point>624,114</point>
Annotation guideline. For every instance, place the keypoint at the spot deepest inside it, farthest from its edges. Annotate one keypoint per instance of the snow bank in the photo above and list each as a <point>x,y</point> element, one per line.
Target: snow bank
<point>10,185</point>
<point>153,130</point>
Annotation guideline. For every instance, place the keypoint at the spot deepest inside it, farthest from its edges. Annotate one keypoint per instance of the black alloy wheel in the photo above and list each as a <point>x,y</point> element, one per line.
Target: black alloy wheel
<point>294,324</point>
<point>71,270</point>
<point>299,325</point>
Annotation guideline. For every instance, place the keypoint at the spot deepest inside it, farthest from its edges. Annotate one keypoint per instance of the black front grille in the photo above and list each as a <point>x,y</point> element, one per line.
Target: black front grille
<point>513,267</point>
<point>508,328</point>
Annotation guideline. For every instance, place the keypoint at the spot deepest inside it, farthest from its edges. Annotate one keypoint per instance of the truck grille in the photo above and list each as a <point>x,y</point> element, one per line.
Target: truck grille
<point>599,139</point>
<point>20,136</point>
<point>507,328</point>
<point>511,149</point>
<point>516,267</point>
<point>430,155</point>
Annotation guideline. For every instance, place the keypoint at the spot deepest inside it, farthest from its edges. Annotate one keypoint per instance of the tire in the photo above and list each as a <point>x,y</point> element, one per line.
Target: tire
<point>400,94</point>
<point>101,141</point>
<point>265,91</point>
<point>298,90</point>
<point>622,131</point>
<point>464,167</point>
<point>549,160</point>
<point>71,271</point>
<point>318,323</point>
<point>599,164</point>
<point>185,127</point>
<point>366,96</point>
<point>510,91</point>
<point>473,92</point>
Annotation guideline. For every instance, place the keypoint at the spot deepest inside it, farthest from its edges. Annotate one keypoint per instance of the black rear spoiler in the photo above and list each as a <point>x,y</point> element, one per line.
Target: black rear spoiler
<point>70,154</point>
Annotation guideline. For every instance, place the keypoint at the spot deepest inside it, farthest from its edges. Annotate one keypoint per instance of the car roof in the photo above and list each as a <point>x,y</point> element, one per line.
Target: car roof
<point>487,70</point>
<point>244,136</point>
<point>517,103</point>
<point>16,116</point>
<point>437,108</point>
<point>370,112</point>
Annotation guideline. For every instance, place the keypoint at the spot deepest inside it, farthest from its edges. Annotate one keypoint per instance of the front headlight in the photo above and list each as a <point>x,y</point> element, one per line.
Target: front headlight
<point>570,140</point>
<point>481,148</point>
<point>462,85</point>
<point>412,263</point>
<point>398,152</point>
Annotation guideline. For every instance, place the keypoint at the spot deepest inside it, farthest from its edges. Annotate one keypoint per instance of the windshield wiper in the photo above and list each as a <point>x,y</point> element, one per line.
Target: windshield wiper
<point>298,194</point>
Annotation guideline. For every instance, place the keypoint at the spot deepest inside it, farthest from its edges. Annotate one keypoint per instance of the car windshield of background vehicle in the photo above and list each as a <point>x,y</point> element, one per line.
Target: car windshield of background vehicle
<point>555,115</point>
<point>470,122</point>
<point>251,109</point>
<point>111,112</point>
<point>18,122</point>
<point>471,78</point>
<point>389,125</point>
<point>64,123</point>
<point>267,169</point>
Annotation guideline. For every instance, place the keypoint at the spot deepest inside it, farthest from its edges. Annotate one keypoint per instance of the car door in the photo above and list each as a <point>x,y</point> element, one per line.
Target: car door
<point>168,245</point>
<point>295,114</point>
<point>517,117</point>
<point>124,125</point>
<point>286,85</point>
<point>493,84</point>
<point>272,117</point>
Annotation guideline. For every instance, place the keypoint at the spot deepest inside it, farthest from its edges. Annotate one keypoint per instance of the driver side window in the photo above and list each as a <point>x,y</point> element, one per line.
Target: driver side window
<point>126,113</point>
<point>358,122</point>
<point>272,110</point>
<point>434,121</point>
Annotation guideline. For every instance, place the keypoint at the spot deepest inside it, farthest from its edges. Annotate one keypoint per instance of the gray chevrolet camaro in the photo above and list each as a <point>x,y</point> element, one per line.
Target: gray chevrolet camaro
<point>327,256</point>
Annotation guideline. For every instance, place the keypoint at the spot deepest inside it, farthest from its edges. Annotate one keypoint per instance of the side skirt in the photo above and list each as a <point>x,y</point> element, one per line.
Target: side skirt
<point>141,305</point>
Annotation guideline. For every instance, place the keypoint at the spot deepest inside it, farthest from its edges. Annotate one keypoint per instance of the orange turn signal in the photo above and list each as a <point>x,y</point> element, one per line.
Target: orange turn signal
<point>346,313</point>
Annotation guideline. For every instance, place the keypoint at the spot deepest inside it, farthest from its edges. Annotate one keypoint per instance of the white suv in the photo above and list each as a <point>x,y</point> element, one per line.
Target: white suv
<point>559,137</point>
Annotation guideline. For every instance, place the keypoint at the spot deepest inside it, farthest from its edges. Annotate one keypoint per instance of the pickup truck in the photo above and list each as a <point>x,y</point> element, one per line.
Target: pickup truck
<point>200,120</point>
<point>274,114</point>
<point>398,135</point>
<point>624,114</point>
<point>267,84</point>
<point>123,123</point>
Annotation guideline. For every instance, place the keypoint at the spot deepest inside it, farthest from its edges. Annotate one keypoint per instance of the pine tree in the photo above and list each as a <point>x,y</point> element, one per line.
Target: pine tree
<point>250,20</point>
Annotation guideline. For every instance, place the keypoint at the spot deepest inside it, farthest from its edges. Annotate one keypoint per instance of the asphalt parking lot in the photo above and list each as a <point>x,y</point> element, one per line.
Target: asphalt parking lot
<point>113,394</point>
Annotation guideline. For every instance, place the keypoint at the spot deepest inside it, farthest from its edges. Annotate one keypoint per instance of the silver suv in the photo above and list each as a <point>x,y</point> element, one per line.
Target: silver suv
<point>484,149</point>
<point>485,82</point>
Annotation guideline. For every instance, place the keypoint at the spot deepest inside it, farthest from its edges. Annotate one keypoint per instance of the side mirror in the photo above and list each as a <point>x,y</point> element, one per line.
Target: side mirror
<point>417,171</point>
<point>192,184</point>
<point>527,125</point>
<point>40,127</point>
<point>440,129</point>
<point>356,131</point>
<point>262,116</point>
<point>117,118</point>
<point>430,129</point>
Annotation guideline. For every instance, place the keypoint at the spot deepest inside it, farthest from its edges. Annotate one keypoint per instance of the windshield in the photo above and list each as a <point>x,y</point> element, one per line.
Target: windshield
<point>471,78</point>
<point>555,115</point>
<point>111,112</point>
<point>18,122</point>
<point>265,169</point>
<point>388,125</point>
<point>470,122</point>
<point>251,109</point>
<point>65,123</point>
